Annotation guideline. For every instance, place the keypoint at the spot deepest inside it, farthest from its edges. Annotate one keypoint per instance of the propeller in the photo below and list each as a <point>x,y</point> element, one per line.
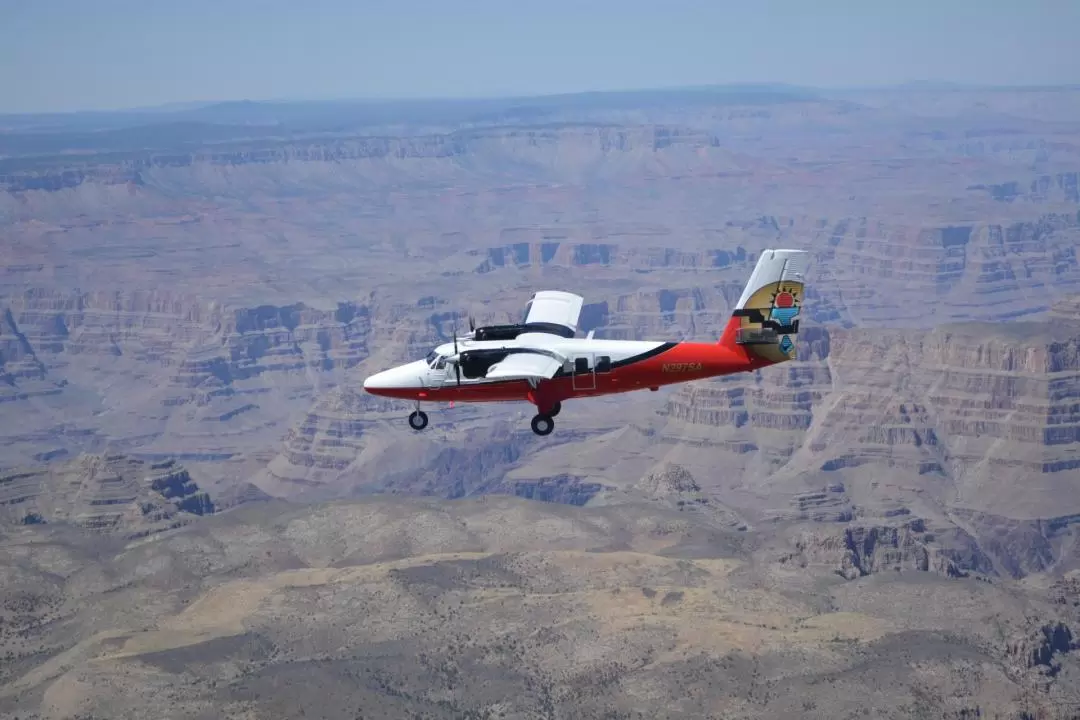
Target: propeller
<point>457,357</point>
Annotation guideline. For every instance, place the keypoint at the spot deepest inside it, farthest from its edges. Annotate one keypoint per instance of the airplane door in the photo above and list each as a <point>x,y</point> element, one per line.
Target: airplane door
<point>584,377</point>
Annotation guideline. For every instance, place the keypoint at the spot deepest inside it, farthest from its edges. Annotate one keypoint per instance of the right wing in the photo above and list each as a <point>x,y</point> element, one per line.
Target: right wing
<point>555,312</point>
<point>527,365</point>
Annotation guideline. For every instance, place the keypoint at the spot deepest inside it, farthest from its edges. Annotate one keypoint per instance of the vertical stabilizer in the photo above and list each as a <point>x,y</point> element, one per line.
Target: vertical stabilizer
<point>765,322</point>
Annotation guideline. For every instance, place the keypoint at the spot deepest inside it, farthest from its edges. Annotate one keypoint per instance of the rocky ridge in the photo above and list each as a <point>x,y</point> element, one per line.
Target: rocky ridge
<point>1060,187</point>
<point>860,549</point>
<point>977,411</point>
<point>129,367</point>
<point>106,493</point>
<point>531,146</point>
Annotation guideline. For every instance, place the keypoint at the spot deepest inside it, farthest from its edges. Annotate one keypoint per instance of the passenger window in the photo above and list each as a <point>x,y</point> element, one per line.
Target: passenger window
<point>603,364</point>
<point>581,365</point>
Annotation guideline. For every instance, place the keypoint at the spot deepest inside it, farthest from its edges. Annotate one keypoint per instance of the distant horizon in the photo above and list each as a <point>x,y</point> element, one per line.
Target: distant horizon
<point>69,56</point>
<point>178,106</point>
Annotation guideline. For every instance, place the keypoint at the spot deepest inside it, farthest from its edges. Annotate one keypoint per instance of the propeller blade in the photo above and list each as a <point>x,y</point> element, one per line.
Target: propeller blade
<point>457,361</point>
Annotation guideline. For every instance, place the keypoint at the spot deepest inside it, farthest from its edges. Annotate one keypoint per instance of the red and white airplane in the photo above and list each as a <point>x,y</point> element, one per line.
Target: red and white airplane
<point>540,360</point>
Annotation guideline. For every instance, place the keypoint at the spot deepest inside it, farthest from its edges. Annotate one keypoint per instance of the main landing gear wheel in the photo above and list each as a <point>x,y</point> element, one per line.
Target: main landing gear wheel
<point>543,424</point>
<point>418,420</point>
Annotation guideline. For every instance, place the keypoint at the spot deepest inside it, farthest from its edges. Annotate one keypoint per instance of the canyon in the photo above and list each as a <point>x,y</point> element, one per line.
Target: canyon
<point>188,308</point>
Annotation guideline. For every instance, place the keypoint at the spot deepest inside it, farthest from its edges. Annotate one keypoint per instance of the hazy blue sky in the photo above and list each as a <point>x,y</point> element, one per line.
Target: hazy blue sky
<point>89,54</point>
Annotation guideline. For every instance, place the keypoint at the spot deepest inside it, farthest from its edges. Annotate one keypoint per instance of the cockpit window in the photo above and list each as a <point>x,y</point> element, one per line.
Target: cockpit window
<point>435,361</point>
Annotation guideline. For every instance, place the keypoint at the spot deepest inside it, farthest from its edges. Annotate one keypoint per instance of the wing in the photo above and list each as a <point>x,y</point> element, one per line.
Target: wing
<point>525,365</point>
<point>555,312</point>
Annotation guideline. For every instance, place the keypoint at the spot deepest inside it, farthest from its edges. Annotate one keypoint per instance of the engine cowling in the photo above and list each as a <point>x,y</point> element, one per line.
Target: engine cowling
<point>499,332</point>
<point>475,363</point>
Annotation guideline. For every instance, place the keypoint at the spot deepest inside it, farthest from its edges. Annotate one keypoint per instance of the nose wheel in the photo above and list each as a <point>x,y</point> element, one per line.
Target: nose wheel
<point>543,424</point>
<point>418,420</point>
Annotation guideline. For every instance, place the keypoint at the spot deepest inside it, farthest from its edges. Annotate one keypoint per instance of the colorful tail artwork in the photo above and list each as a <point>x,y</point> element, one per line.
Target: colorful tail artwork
<point>765,321</point>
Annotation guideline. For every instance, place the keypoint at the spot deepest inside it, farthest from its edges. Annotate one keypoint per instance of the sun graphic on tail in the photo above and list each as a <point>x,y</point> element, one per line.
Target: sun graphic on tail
<point>783,312</point>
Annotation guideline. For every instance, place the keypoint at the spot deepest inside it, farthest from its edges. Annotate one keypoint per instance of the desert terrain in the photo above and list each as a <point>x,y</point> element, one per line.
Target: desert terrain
<point>203,515</point>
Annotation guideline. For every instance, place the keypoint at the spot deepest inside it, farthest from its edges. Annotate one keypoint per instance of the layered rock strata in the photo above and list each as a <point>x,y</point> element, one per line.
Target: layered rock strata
<point>977,416</point>
<point>106,493</point>
<point>160,373</point>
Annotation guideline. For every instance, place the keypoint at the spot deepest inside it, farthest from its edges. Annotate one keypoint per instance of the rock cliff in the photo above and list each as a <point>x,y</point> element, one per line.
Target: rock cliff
<point>104,493</point>
<point>320,448</point>
<point>673,486</point>
<point>866,272</point>
<point>1059,187</point>
<point>130,366</point>
<point>1042,646</point>
<point>974,416</point>
<point>860,549</point>
<point>877,272</point>
<point>437,156</point>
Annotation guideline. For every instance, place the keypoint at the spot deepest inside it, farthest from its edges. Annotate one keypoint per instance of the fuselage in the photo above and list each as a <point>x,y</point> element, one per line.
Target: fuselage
<point>593,367</point>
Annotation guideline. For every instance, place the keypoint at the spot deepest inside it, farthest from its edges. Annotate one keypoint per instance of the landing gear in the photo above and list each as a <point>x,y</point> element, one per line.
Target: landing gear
<point>543,424</point>
<point>418,420</point>
<point>555,409</point>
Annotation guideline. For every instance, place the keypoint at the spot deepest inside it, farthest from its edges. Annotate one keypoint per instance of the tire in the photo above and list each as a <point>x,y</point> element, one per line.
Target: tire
<point>543,424</point>
<point>418,420</point>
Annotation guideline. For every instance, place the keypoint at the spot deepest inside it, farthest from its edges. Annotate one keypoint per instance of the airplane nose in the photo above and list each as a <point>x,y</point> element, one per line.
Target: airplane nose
<point>404,377</point>
<point>384,380</point>
<point>375,382</point>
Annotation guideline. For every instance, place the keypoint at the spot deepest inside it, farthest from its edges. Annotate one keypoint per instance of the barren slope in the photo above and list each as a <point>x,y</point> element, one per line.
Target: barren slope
<point>512,608</point>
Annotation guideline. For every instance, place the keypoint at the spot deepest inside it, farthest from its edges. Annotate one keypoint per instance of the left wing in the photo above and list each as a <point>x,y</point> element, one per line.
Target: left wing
<point>555,312</point>
<point>530,365</point>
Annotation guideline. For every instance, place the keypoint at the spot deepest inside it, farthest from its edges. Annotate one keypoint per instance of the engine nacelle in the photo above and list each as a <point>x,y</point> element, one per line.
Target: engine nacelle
<point>499,332</point>
<point>475,363</point>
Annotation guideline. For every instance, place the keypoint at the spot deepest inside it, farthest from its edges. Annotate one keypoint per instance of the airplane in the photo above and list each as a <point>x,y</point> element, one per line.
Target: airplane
<point>542,362</point>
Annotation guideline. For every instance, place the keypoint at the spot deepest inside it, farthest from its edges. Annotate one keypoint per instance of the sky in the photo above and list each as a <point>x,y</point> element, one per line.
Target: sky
<point>62,55</point>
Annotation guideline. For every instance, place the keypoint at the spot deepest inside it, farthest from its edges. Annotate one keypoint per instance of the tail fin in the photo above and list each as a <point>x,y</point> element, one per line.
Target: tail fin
<point>765,322</point>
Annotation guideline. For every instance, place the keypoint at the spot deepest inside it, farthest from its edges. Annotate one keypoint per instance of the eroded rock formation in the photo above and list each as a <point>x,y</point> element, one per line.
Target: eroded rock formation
<point>108,493</point>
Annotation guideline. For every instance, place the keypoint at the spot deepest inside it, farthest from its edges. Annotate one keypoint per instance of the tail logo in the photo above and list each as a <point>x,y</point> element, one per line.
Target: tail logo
<point>774,312</point>
<point>783,317</point>
<point>768,309</point>
<point>784,310</point>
